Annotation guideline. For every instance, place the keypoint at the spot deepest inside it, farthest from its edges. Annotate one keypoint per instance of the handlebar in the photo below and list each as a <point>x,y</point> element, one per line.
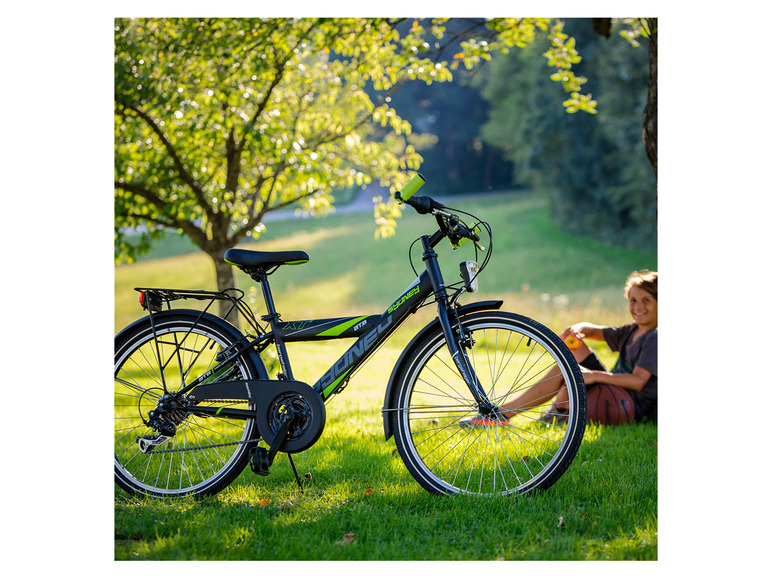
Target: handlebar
<point>423,205</point>
<point>450,225</point>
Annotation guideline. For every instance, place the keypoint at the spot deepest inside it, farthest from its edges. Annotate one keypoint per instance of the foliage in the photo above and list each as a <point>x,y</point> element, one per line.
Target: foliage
<point>219,121</point>
<point>594,168</point>
<point>522,32</point>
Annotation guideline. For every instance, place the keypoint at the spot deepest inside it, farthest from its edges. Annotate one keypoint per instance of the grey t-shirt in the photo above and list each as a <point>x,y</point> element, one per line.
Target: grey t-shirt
<point>642,353</point>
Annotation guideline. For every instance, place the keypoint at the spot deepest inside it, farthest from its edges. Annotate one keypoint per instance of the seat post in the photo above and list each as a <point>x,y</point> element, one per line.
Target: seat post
<point>261,277</point>
<point>273,318</point>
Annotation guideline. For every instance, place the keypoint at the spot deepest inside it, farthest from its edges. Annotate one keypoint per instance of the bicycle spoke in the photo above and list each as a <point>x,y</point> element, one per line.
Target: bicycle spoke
<point>486,455</point>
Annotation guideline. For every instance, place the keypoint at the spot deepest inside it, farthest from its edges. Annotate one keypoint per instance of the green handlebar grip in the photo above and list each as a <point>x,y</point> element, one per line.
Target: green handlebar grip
<point>412,186</point>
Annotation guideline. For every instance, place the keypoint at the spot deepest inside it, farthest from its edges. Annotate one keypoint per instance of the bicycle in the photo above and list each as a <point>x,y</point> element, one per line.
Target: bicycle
<point>194,400</point>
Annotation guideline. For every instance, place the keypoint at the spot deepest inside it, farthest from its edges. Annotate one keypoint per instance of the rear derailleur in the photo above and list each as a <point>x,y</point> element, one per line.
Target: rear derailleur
<point>163,420</point>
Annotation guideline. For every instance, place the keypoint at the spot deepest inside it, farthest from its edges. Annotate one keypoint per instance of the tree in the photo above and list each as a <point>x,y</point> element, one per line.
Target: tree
<point>650,28</point>
<point>647,28</point>
<point>594,169</point>
<point>220,121</point>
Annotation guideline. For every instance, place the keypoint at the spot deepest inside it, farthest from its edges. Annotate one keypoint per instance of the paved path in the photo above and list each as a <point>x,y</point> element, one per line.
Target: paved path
<point>363,203</point>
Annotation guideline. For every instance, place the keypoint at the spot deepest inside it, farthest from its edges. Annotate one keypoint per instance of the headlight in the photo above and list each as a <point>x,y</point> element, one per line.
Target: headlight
<point>469,275</point>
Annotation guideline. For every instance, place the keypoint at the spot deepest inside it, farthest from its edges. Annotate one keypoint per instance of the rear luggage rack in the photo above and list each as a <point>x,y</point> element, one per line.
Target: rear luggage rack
<point>153,300</point>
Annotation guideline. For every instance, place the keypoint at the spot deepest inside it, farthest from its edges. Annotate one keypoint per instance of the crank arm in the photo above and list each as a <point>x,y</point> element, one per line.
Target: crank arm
<point>281,435</point>
<point>261,458</point>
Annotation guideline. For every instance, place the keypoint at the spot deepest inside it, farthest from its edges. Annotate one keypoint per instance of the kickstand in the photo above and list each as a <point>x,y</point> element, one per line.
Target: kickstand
<point>297,478</point>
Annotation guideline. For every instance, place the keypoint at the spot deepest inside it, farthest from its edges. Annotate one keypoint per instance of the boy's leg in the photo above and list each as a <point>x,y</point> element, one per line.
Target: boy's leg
<point>552,386</point>
<point>540,393</point>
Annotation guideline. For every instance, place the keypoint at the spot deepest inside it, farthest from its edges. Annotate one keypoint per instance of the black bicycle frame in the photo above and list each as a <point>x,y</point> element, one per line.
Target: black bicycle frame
<point>371,332</point>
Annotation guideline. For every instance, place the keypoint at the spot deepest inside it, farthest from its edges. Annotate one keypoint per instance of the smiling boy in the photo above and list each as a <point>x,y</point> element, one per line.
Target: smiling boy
<point>635,370</point>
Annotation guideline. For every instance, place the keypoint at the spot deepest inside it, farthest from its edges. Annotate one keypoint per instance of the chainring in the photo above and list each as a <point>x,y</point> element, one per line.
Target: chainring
<point>306,403</point>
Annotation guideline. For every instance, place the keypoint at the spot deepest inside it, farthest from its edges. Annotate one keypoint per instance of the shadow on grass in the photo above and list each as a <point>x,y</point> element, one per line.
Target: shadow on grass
<point>361,504</point>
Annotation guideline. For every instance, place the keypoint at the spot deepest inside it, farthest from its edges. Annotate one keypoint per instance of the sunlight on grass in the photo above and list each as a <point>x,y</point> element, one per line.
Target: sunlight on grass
<point>320,300</point>
<point>641,543</point>
<point>302,240</point>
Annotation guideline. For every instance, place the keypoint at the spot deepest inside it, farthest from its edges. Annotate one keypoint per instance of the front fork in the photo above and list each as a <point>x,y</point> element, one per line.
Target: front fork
<point>461,360</point>
<point>458,354</point>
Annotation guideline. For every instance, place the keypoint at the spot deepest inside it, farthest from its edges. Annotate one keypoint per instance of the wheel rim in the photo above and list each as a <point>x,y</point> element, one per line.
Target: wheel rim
<point>493,459</point>
<point>139,381</point>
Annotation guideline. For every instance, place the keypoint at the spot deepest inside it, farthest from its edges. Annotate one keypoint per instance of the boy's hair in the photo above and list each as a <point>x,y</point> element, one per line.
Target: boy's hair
<point>644,279</point>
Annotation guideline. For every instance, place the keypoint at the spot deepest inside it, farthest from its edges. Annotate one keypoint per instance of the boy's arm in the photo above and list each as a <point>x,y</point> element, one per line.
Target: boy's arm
<point>634,381</point>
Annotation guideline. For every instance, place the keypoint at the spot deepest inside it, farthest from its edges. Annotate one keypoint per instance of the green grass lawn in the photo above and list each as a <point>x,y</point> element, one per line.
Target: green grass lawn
<point>607,502</point>
<point>360,502</point>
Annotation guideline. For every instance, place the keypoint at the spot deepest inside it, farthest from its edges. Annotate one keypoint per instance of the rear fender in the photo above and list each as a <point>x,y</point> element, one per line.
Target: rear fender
<point>399,366</point>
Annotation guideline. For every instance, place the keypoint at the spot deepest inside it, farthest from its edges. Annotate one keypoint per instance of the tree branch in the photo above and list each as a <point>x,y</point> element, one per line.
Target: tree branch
<point>195,234</point>
<point>161,222</point>
<point>280,67</point>
<point>183,173</point>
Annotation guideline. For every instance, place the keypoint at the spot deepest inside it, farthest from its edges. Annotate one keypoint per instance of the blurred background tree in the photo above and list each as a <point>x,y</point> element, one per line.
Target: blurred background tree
<point>594,169</point>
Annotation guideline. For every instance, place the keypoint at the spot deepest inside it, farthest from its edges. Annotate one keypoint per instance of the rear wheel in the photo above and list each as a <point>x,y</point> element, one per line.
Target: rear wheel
<point>509,354</point>
<point>167,451</point>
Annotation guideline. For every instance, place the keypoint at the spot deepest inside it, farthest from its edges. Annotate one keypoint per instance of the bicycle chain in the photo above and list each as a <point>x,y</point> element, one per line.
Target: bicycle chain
<point>190,448</point>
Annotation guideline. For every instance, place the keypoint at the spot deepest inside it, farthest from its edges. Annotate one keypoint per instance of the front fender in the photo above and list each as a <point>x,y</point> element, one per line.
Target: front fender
<point>430,327</point>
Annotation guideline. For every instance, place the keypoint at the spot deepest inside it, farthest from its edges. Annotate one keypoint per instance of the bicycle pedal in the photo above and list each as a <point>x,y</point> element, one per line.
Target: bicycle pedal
<point>259,461</point>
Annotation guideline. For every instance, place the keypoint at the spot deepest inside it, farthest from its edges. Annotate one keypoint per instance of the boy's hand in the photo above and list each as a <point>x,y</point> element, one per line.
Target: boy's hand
<point>588,375</point>
<point>571,332</point>
<point>583,330</point>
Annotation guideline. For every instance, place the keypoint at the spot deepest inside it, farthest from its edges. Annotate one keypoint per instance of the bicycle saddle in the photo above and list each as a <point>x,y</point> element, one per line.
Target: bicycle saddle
<point>248,259</point>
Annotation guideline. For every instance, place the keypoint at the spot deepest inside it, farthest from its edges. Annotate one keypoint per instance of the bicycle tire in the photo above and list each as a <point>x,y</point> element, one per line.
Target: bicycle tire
<point>509,353</point>
<point>188,343</point>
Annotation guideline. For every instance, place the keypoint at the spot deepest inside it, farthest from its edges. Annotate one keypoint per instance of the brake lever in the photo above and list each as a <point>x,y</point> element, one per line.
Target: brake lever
<point>466,235</point>
<point>457,231</point>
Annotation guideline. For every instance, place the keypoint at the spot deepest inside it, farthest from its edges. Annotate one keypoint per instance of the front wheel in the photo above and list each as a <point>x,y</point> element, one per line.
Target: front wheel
<point>446,452</point>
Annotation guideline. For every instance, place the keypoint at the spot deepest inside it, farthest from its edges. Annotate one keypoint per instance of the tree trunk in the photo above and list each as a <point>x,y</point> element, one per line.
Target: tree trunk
<point>225,280</point>
<point>650,111</point>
